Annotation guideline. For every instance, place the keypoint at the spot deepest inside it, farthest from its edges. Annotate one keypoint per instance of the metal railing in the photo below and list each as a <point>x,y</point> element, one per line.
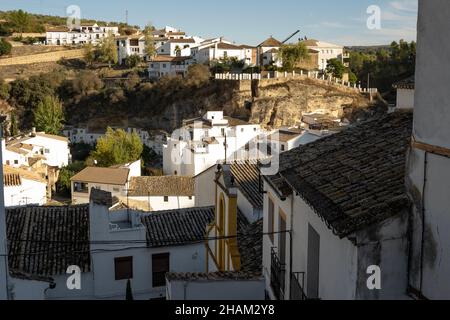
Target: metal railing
<point>277,275</point>
<point>297,284</point>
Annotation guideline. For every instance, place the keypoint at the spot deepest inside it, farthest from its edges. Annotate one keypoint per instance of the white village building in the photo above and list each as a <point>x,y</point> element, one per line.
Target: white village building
<point>130,45</point>
<point>267,52</point>
<point>114,180</point>
<point>53,150</point>
<point>86,33</point>
<point>23,187</point>
<point>428,176</point>
<point>325,52</point>
<point>341,208</point>
<point>159,193</point>
<point>234,246</point>
<point>405,93</point>
<point>205,141</point>
<point>108,246</point>
<point>165,65</point>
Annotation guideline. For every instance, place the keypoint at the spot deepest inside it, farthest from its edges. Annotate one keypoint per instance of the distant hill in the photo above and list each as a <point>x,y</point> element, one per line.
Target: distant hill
<point>24,22</point>
<point>365,49</point>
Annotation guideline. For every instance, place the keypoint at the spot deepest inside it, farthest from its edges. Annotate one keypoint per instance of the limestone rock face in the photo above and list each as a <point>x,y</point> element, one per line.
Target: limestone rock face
<point>272,103</point>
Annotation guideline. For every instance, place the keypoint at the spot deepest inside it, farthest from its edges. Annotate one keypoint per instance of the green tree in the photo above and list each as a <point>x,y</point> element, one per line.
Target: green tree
<point>133,61</point>
<point>336,68</point>
<point>4,89</point>
<point>5,47</point>
<point>291,54</point>
<point>49,115</point>
<point>117,147</point>
<point>129,293</point>
<point>14,128</point>
<point>20,21</point>
<point>352,78</point>
<point>108,51</point>
<point>198,74</point>
<point>89,54</point>
<point>150,46</point>
<point>64,184</point>
<point>177,51</point>
<point>132,81</point>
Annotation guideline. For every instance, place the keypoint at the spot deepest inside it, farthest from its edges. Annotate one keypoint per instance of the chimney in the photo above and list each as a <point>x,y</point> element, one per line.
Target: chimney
<point>33,132</point>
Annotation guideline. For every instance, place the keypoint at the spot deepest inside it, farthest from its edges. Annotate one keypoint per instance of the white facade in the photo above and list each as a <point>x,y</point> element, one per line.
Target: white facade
<point>54,150</point>
<point>200,144</point>
<point>428,179</point>
<point>342,265</point>
<point>158,203</point>
<point>215,290</point>
<point>326,51</point>
<point>81,188</point>
<point>405,98</point>
<point>93,34</point>
<point>128,46</point>
<point>161,66</point>
<point>217,49</point>
<point>29,192</point>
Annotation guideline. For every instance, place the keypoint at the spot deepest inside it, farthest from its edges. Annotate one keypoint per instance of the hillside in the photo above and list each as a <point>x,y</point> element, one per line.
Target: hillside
<point>270,103</point>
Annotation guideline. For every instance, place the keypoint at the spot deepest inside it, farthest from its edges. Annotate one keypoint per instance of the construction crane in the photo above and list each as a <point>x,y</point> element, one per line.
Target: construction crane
<point>291,36</point>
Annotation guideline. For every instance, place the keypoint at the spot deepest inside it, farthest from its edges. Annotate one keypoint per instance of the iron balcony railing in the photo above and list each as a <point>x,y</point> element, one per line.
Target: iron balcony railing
<point>277,275</point>
<point>297,285</point>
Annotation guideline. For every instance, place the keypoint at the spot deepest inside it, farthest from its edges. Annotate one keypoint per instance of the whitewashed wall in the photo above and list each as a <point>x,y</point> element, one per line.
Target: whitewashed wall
<point>405,98</point>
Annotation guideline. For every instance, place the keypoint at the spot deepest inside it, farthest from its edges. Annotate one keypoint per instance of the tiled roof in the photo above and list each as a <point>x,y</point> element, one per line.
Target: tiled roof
<point>250,243</point>
<point>113,176</point>
<point>284,136</point>
<point>177,227</point>
<point>11,180</point>
<point>271,42</point>
<point>190,40</point>
<point>162,186</point>
<point>354,178</point>
<point>246,175</point>
<point>44,241</point>
<point>24,174</point>
<point>213,276</point>
<point>408,83</point>
<point>227,46</point>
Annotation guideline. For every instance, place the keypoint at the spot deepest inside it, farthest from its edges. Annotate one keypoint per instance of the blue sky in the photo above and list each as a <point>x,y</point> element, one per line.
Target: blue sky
<point>250,21</point>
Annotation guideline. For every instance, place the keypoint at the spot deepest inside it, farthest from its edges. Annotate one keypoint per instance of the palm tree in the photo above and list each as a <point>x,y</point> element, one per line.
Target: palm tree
<point>177,51</point>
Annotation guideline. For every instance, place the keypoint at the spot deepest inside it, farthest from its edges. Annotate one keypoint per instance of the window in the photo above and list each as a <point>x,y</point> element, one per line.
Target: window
<point>166,199</point>
<point>190,198</point>
<point>16,161</point>
<point>242,129</point>
<point>283,148</point>
<point>7,162</point>
<point>80,187</point>
<point>123,268</point>
<point>116,189</point>
<point>160,266</point>
<point>271,219</point>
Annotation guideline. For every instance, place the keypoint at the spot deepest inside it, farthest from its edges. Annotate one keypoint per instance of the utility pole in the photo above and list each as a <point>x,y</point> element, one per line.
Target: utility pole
<point>4,273</point>
<point>126,17</point>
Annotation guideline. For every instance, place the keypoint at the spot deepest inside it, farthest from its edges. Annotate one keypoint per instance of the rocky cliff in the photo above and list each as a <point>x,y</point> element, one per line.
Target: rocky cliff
<point>271,103</point>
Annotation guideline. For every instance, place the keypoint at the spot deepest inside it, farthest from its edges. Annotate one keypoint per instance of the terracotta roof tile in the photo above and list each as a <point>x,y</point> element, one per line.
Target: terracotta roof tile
<point>162,186</point>
<point>113,176</point>
<point>354,178</point>
<point>44,241</point>
<point>177,227</point>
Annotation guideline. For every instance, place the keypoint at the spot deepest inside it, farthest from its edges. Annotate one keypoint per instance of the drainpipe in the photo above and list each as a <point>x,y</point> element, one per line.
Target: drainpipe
<point>425,179</point>
<point>291,230</point>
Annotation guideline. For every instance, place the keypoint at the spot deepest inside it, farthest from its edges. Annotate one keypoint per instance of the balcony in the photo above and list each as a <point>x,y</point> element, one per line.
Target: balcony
<point>277,276</point>
<point>297,285</point>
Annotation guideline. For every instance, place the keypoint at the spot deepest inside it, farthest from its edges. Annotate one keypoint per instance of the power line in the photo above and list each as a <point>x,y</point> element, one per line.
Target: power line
<point>120,242</point>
